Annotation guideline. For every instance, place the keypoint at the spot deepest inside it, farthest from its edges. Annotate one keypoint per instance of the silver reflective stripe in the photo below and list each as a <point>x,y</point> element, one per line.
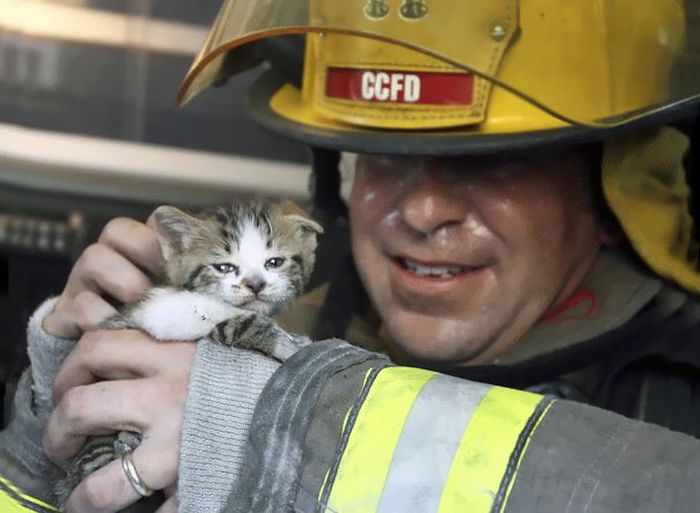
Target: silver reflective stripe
<point>431,435</point>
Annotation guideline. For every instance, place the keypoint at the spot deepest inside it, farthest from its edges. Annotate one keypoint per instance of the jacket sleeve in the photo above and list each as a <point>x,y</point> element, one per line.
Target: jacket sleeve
<point>340,429</point>
<point>23,466</point>
<point>225,384</point>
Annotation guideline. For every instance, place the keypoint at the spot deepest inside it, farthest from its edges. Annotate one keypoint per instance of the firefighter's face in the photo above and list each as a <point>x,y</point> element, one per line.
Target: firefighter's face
<point>462,256</point>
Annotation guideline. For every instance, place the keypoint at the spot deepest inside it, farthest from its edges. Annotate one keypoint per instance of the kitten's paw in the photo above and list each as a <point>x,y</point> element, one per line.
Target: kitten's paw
<point>97,452</point>
<point>62,488</point>
<point>181,315</point>
<point>249,330</point>
<point>126,441</point>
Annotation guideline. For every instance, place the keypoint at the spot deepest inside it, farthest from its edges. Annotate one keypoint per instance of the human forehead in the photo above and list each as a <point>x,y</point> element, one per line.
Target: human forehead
<point>574,155</point>
<point>560,172</point>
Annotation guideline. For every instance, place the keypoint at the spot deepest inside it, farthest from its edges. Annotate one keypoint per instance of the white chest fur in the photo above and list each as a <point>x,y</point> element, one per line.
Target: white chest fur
<point>169,314</point>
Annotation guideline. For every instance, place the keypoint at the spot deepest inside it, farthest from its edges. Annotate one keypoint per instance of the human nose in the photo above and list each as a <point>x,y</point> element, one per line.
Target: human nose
<point>429,203</point>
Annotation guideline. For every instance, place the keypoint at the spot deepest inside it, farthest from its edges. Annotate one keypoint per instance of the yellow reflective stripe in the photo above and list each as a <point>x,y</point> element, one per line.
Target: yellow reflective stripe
<point>365,463</point>
<point>429,440</point>
<point>14,500</point>
<point>343,428</point>
<point>522,455</point>
<point>485,450</point>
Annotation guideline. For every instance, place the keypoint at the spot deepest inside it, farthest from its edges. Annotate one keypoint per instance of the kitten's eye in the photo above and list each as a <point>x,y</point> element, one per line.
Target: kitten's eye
<point>225,268</point>
<point>274,262</point>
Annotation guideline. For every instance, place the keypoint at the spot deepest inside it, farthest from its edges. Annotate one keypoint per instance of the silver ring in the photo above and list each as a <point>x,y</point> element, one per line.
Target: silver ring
<point>133,476</point>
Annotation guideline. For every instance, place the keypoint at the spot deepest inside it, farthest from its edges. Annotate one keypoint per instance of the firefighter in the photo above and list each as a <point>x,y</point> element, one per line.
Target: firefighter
<point>526,269</point>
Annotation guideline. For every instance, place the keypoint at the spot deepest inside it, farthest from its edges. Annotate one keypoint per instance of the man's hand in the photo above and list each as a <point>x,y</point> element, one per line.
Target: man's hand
<point>119,265</point>
<point>145,392</point>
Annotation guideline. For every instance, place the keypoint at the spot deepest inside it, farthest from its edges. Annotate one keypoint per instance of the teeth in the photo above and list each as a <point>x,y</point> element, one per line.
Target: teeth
<point>440,271</point>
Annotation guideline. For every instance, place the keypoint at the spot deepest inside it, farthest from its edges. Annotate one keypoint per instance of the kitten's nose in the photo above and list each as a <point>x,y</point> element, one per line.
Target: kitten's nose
<point>255,284</point>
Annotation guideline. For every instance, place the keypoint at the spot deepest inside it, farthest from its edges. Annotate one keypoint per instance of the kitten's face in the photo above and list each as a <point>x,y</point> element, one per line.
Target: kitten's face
<point>256,257</point>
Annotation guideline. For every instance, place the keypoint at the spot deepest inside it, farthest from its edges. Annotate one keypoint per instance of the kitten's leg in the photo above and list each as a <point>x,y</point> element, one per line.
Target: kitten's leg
<point>118,322</point>
<point>171,314</point>
<point>97,452</point>
<point>251,330</point>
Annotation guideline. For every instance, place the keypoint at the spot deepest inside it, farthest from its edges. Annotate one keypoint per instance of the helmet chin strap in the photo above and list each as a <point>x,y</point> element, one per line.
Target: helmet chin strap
<point>325,187</point>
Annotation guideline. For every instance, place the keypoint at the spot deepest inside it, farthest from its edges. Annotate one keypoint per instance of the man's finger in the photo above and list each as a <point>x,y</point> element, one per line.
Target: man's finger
<point>105,354</point>
<point>115,355</point>
<point>72,317</point>
<point>90,310</point>
<point>108,489</point>
<point>101,269</point>
<point>97,409</point>
<point>136,241</point>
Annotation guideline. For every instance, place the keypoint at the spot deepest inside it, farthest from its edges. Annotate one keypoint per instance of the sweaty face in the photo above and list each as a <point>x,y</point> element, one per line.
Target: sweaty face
<point>462,256</point>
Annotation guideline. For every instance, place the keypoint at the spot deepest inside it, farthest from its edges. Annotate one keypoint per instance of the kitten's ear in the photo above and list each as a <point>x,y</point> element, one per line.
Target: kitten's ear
<point>176,230</point>
<point>299,217</point>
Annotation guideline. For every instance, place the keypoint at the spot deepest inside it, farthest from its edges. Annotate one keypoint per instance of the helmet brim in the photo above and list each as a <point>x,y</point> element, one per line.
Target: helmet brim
<point>436,142</point>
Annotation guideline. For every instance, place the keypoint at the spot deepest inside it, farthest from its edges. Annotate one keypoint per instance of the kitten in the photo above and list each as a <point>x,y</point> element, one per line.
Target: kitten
<point>227,270</point>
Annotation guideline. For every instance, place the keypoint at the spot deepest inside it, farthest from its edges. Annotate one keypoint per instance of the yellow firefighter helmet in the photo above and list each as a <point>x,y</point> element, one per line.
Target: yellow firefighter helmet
<point>433,76</point>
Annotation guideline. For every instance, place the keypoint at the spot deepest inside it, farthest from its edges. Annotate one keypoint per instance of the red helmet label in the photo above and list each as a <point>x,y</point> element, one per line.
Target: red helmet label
<point>391,86</point>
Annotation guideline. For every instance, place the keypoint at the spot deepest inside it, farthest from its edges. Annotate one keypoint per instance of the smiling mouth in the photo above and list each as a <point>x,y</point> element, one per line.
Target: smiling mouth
<point>434,270</point>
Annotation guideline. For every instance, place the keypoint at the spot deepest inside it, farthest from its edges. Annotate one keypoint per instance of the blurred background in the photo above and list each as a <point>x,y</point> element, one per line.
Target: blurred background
<point>89,131</point>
